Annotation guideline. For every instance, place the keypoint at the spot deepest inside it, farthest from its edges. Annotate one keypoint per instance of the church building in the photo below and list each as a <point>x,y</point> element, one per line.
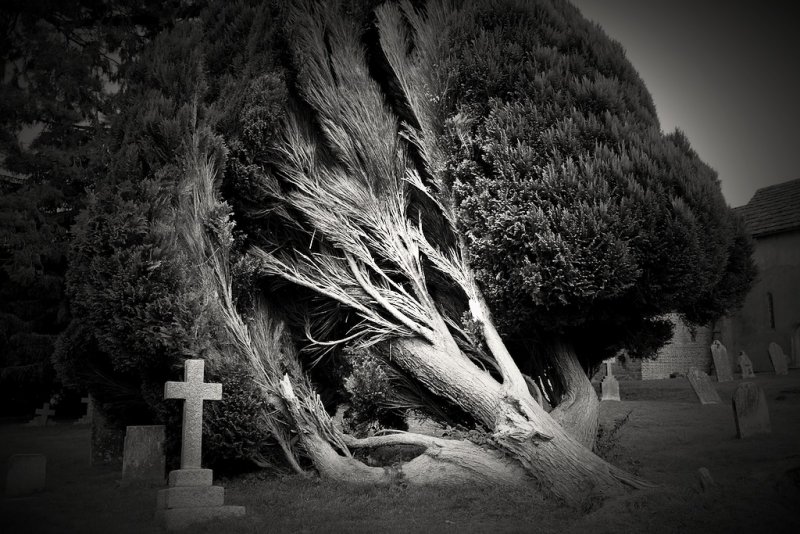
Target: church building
<point>771,311</point>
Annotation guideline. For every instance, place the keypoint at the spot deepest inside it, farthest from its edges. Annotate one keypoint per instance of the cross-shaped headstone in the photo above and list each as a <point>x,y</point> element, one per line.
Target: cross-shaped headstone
<point>44,412</point>
<point>194,391</point>
<point>609,372</point>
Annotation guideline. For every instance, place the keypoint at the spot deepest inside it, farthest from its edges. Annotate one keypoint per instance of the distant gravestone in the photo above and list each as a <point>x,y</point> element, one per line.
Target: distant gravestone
<point>26,474</point>
<point>42,417</point>
<point>88,417</point>
<point>703,387</point>
<point>722,364</point>
<point>143,454</point>
<point>779,360</point>
<point>191,497</point>
<point>609,385</point>
<point>750,410</point>
<point>746,365</point>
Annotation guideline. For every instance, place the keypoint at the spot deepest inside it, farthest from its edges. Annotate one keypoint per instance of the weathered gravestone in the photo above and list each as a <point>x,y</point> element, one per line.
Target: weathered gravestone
<point>746,365</point>
<point>143,457</point>
<point>779,359</point>
<point>722,364</point>
<point>191,497</point>
<point>750,410</point>
<point>703,387</point>
<point>26,474</point>
<point>609,385</point>
<point>42,417</point>
<point>87,419</point>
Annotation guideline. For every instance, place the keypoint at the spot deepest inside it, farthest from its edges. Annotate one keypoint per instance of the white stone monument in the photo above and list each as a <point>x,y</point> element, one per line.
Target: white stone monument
<point>746,365</point>
<point>191,497</point>
<point>609,385</point>
<point>722,365</point>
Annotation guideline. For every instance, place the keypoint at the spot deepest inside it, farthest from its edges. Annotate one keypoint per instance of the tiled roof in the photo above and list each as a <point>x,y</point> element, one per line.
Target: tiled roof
<point>773,209</point>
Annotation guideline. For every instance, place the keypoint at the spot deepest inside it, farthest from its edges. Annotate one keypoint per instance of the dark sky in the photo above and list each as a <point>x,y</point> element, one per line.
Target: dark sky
<point>727,73</point>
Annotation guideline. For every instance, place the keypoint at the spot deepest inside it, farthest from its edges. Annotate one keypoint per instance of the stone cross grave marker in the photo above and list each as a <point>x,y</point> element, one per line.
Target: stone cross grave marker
<point>191,497</point>
<point>703,387</point>
<point>42,416</point>
<point>87,419</point>
<point>722,364</point>
<point>194,391</point>
<point>26,474</point>
<point>609,385</point>
<point>750,410</point>
<point>779,360</point>
<point>746,365</point>
<point>143,458</point>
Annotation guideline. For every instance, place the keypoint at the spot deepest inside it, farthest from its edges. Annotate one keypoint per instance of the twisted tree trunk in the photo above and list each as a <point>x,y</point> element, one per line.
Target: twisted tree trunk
<point>579,407</point>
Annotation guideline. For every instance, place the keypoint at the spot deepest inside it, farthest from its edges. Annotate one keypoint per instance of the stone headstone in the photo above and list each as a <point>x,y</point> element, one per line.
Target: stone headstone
<point>722,364</point>
<point>746,365</point>
<point>703,387</point>
<point>88,417</point>
<point>750,410</point>
<point>26,474</point>
<point>191,498</point>
<point>143,457</point>
<point>779,360</point>
<point>609,386</point>
<point>42,417</point>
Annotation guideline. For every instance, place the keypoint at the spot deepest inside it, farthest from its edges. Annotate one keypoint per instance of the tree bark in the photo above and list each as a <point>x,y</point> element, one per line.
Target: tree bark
<point>579,407</point>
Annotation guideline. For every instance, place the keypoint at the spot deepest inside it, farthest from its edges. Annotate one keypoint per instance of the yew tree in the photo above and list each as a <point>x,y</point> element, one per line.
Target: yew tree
<point>473,197</point>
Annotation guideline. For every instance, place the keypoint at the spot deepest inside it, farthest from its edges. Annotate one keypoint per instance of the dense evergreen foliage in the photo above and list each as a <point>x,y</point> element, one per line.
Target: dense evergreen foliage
<point>583,220</point>
<point>538,161</point>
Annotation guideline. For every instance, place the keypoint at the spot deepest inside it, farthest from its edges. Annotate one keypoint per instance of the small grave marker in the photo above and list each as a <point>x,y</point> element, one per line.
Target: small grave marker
<point>746,365</point>
<point>26,474</point>
<point>191,497</point>
<point>609,385</point>
<point>722,364</point>
<point>42,416</point>
<point>703,387</point>
<point>143,454</point>
<point>779,360</point>
<point>750,410</point>
<point>87,418</point>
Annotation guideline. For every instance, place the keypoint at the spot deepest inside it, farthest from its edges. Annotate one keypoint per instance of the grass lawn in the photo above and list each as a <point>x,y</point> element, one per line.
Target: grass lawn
<point>668,436</point>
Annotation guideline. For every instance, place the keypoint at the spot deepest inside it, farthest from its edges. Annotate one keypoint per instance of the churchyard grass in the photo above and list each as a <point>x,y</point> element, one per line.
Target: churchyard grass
<point>667,437</point>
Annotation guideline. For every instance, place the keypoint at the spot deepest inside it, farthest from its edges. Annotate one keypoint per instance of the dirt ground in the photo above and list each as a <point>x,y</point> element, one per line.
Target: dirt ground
<point>666,438</point>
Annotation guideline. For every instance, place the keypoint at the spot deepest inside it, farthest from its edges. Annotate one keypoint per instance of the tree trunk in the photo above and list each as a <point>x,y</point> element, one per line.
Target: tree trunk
<point>579,407</point>
<point>518,424</point>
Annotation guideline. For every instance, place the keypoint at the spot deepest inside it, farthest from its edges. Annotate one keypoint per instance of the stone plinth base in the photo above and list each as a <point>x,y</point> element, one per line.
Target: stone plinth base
<point>191,498</point>
<point>180,518</point>
<point>190,477</point>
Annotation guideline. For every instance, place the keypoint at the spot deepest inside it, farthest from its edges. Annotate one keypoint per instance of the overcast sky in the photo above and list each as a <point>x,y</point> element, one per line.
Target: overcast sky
<point>727,73</point>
